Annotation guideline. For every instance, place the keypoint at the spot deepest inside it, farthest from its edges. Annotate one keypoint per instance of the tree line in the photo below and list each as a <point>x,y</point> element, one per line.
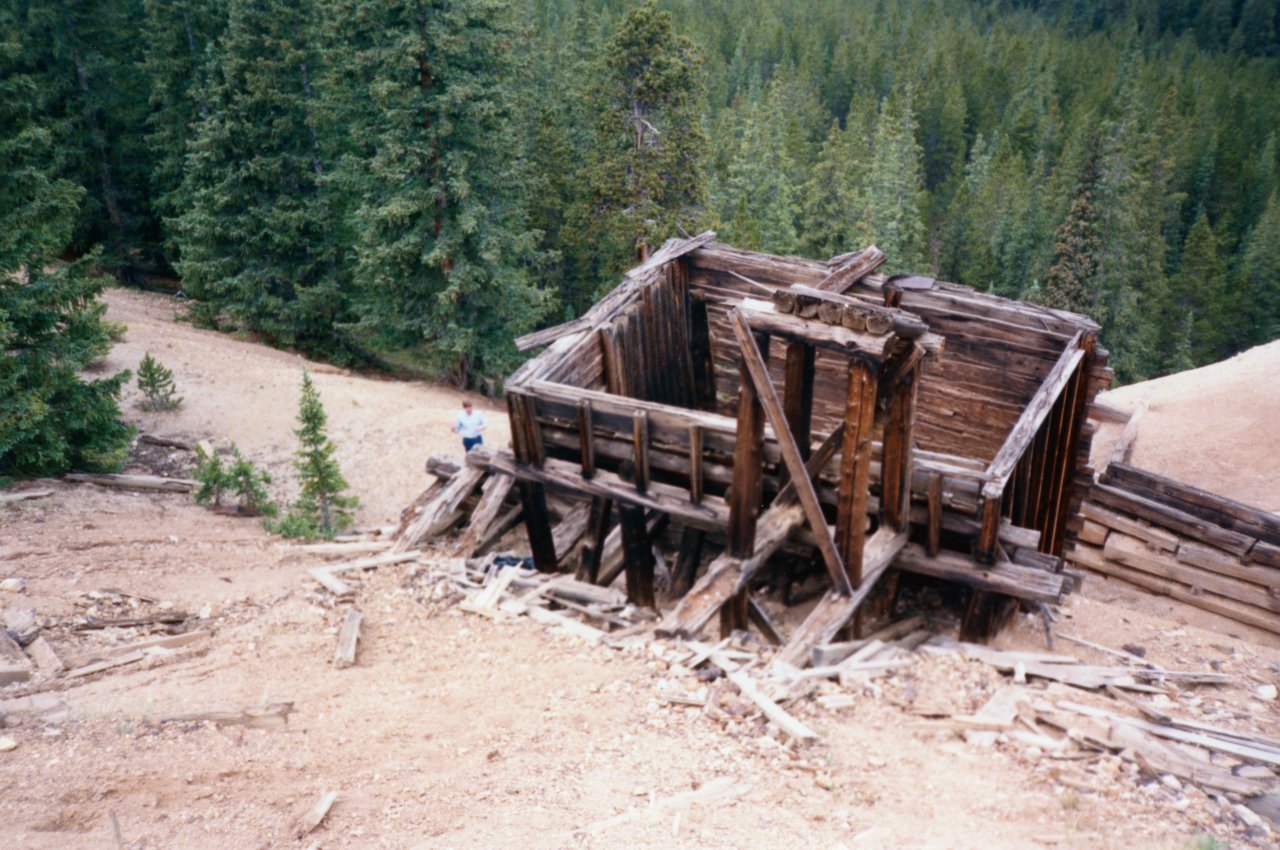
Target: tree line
<point>417,183</point>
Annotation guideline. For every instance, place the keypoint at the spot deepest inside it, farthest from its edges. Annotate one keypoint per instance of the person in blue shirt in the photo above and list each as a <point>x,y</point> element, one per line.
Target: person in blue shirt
<point>471,426</point>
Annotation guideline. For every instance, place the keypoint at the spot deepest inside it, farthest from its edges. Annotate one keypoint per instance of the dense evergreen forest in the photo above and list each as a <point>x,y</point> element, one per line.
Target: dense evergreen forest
<point>418,182</point>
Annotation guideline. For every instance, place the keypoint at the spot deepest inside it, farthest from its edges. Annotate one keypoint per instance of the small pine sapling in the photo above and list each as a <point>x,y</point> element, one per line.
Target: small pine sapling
<point>156,383</point>
<point>213,477</point>
<point>321,504</point>
<point>250,486</point>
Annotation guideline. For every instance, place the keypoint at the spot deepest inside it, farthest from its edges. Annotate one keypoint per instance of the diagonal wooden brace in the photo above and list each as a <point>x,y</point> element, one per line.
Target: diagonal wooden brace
<point>759,374</point>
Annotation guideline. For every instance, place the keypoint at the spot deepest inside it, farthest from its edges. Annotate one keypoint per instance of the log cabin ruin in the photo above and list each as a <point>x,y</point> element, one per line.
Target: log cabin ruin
<point>746,417</point>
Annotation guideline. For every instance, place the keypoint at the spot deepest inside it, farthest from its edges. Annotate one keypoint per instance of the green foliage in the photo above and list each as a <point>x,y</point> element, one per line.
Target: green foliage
<point>255,233</point>
<point>321,499</point>
<point>156,383</point>
<point>644,164</point>
<point>241,478</point>
<point>213,477</point>
<point>424,181</point>
<point>51,327</point>
<point>249,484</point>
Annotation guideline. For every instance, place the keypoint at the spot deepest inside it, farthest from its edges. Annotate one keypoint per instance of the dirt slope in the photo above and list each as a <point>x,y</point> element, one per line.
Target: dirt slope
<point>242,392</point>
<point>1214,427</point>
<point>453,731</point>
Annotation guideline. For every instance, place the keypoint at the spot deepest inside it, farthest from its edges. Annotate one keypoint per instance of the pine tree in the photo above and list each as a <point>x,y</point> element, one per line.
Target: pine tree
<point>443,246</point>
<point>1258,276</point>
<point>895,185</point>
<point>51,324</point>
<point>1197,290</point>
<point>758,204</point>
<point>645,162</point>
<point>256,235</point>
<point>156,383</point>
<point>830,201</point>
<point>1070,283</point>
<point>177,35</point>
<point>321,503</point>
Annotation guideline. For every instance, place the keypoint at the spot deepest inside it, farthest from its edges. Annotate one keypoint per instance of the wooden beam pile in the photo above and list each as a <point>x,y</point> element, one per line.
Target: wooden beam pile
<point>1175,540</point>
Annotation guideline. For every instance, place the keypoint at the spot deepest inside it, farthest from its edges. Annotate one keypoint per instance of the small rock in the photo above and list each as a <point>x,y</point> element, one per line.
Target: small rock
<point>1267,692</point>
<point>13,585</point>
<point>1247,815</point>
<point>205,612</point>
<point>1168,780</point>
<point>7,744</point>
<point>876,761</point>
<point>826,783</point>
<point>1019,673</point>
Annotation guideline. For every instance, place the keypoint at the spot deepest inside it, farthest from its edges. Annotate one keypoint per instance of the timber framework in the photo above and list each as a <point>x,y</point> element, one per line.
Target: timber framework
<point>746,417</point>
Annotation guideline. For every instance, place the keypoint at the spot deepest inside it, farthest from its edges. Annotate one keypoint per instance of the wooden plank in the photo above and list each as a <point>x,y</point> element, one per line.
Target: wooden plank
<point>830,615</point>
<point>760,619</point>
<point>621,295</point>
<point>934,538</point>
<point>23,495</point>
<point>1219,510</point>
<point>1172,519</point>
<point>855,468</point>
<point>687,560</point>
<point>768,397</point>
<point>1151,535</point>
<point>640,441</point>
<point>312,819</point>
<point>1004,577</point>
<point>798,394</point>
<point>586,437</point>
<point>135,482</point>
<point>748,688</point>
<point>493,495</point>
<point>1134,553</point>
<point>638,555</point>
<point>1093,559</point>
<point>597,531</point>
<point>1024,430</point>
<point>853,270</point>
<point>710,514</point>
<point>748,459</point>
<point>332,583</point>
<point>164,642</point>
<point>696,473</point>
<point>344,654</point>
<point>438,516</point>
<point>1205,557</point>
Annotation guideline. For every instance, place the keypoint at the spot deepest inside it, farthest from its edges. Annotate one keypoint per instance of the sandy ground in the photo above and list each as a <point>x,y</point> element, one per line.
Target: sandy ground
<point>454,731</point>
<point>1213,427</point>
<point>244,393</point>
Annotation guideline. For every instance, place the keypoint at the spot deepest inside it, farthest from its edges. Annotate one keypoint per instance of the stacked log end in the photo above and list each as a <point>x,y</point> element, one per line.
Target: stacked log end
<point>1175,540</point>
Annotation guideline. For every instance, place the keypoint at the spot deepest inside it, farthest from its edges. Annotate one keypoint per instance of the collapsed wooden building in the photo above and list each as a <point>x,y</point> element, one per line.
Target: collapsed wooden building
<point>749,415</point>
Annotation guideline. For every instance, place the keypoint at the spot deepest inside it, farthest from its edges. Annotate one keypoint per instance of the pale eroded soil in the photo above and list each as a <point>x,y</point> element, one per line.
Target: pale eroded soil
<point>457,732</point>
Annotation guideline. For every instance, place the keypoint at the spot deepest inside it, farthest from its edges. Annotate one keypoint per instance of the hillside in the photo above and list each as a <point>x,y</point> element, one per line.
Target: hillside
<point>1212,427</point>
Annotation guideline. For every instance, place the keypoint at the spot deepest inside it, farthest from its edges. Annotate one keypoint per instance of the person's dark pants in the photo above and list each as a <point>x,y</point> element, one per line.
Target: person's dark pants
<point>469,443</point>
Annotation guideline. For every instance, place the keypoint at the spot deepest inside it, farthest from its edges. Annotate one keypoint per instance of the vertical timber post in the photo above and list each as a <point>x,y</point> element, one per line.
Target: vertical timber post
<point>527,444</point>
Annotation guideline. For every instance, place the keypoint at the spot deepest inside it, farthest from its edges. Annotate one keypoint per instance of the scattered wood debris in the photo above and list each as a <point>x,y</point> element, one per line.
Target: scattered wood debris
<point>313,818</point>
<point>271,716</point>
<point>344,655</point>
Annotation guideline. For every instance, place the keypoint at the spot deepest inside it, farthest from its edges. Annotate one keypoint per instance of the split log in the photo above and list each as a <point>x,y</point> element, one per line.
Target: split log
<point>835,610</point>
<point>1131,552</point>
<point>1177,521</point>
<point>344,655</point>
<point>23,495</point>
<point>1219,510</point>
<point>166,642</point>
<point>438,516</point>
<point>167,442</point>
<point>1004,577</point>
<point>271,716</point>
<point>136,482</point>
<point>495,492</point>
<point>332,583</point>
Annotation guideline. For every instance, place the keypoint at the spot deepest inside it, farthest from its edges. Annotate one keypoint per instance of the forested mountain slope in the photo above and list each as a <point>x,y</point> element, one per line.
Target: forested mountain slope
<point>426,180</point>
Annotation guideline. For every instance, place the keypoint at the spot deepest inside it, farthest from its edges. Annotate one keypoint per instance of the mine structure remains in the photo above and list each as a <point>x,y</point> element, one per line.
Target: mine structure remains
<point>748,417</point>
